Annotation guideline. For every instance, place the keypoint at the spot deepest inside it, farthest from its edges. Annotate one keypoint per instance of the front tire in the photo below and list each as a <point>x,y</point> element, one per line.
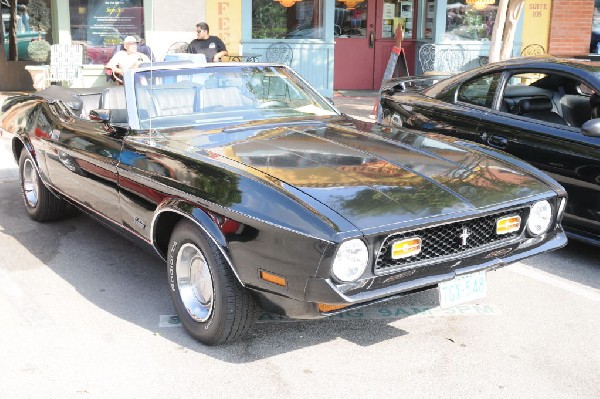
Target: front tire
<point>40,203</point>
<point>211,304</point>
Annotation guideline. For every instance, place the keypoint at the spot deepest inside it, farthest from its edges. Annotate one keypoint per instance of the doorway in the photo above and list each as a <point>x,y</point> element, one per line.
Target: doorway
<point>365,33</point>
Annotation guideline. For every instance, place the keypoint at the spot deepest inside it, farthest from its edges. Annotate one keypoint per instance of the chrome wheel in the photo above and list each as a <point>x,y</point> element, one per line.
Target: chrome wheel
<point>30,183</point>
<point>195,282</point>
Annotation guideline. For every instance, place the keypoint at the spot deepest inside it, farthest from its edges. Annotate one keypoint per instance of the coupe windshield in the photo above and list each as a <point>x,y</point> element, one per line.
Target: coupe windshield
<point>219,96</point>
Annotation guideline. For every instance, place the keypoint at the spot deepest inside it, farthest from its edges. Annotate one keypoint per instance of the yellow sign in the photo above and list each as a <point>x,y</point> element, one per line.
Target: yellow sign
<point>225,20</point>
<point>536,23</point>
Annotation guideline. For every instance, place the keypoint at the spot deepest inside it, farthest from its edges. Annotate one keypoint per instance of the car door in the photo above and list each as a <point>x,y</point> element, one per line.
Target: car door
<point>81,159</point>
<point>456,111</point>
<point>572,158</point>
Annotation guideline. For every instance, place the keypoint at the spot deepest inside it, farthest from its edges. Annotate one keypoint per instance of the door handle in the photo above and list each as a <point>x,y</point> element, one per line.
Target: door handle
<point>498,142</point>
<point>371,40</point>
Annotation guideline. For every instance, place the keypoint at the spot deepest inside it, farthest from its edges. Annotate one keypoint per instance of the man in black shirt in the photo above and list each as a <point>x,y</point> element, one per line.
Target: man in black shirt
<point>211,46</point>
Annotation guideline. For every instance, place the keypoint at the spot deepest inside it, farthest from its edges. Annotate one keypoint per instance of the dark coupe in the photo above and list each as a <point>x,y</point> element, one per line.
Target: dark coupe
<point>543,110</point>
<point>257,192</point>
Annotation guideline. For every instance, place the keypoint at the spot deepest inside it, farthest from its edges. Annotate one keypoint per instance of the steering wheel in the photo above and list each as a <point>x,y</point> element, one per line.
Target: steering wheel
<point>273,104</point>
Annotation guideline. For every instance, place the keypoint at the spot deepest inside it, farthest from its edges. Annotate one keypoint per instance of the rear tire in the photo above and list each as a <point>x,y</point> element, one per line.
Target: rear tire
<point>41,204</point>
<point>211,304</point>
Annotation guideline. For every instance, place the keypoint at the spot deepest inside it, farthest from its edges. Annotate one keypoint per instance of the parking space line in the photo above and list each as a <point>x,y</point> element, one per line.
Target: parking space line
<point>559,282</point>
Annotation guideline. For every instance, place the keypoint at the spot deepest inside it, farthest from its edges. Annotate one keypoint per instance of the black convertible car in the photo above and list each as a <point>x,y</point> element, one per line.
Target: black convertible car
<point>257,192</point>
<point>543,110</point>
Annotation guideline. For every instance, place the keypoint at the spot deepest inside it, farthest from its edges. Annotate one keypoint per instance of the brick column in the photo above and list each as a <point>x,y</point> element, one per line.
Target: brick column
<point>571,27</point>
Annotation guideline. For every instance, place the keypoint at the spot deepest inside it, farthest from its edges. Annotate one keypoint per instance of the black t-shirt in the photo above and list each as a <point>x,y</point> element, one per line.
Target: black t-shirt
<point>209,47</point>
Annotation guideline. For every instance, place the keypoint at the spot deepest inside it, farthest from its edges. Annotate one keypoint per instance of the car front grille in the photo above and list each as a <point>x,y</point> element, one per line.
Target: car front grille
<point>444,240</point>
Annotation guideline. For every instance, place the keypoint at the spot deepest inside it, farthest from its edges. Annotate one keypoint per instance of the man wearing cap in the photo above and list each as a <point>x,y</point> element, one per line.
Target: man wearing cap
<point>127,58</point>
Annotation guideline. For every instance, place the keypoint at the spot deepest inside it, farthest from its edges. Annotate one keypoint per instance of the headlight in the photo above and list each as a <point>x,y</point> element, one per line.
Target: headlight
<point>540,218</point>
<point>350,260</point>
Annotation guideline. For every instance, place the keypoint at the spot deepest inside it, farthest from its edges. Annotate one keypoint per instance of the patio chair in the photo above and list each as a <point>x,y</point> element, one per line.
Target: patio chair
<point>427,57</point>
<point>533,49</point>
<point>178,47</point>
<point>452,59</point>
<point>66,63</point>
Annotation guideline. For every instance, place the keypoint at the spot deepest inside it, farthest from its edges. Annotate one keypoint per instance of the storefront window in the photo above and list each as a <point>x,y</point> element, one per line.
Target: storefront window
<point>470,19</point>
<point>101,25</point>
<point>280,19</point>
<point>595,39</point>
<point>33,23</point>
<point>351,21</point>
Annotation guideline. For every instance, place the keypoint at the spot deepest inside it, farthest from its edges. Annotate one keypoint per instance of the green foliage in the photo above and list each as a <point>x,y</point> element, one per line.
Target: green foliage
<point>268,20</point>
<point>39,15</point>
<point>39,50</point>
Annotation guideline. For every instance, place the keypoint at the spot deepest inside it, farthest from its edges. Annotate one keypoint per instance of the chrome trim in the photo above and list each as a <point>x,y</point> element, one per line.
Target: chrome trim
<point>187,216</point>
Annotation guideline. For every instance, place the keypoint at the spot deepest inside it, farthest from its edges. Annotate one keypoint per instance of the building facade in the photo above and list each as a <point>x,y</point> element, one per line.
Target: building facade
<point>334,45</point>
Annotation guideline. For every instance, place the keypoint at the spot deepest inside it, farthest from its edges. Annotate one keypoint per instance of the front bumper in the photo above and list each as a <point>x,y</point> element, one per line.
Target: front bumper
<point>392,286</point>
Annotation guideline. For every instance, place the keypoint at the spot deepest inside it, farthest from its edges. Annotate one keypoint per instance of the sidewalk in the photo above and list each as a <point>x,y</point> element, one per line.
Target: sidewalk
<point>357,103</point>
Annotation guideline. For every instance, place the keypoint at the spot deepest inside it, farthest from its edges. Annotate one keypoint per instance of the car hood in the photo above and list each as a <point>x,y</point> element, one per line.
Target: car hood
<point>370,175</point>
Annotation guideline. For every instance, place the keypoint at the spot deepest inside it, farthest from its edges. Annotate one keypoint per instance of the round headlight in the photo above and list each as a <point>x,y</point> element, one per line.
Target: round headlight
<point>350,260</point>
<point>540,218</point>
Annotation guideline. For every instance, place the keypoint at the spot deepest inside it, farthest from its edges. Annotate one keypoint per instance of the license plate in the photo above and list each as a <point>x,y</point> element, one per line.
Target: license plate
<point>462,289</point>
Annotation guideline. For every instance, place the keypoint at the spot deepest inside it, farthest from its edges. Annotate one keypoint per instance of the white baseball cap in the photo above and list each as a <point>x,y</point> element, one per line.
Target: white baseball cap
<point>130,39</point>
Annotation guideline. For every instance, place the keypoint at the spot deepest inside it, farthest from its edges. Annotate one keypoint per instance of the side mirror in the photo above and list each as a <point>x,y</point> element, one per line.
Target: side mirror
<point>397,88</point>
<point>111,116</point>
<point>591,128</point>
<point>100,115</point>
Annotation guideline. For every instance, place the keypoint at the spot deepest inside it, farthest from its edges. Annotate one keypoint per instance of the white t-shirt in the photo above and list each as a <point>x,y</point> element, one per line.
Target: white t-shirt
<point>125,61</point>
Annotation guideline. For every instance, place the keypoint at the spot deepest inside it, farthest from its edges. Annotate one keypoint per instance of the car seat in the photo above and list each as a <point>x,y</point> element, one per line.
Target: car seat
<point>595,104</point>
<point>539,108</point>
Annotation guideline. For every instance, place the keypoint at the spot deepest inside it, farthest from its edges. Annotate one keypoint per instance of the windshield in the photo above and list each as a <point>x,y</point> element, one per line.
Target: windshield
<point>211,97</point>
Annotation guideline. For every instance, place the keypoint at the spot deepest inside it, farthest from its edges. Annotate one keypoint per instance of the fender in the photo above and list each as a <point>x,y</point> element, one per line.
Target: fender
<point>20,143</point>
<point>193,212</point>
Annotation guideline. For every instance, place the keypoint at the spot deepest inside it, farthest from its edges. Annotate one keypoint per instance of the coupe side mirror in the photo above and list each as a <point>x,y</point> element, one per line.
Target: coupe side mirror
<point>591,128</point>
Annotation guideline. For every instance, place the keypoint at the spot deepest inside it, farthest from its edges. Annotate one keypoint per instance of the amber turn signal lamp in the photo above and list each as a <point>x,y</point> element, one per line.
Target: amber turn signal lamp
<point>405,248</point>
<point>324,307</point>
<point>508,225</point>
<point>272,278</point>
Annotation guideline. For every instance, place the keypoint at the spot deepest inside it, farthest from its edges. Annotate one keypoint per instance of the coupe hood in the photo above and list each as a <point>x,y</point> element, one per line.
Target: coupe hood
<point>370,175</point>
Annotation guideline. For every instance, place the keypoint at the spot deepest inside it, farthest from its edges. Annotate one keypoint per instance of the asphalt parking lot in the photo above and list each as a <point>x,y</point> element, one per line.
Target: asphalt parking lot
<point>85,314</point>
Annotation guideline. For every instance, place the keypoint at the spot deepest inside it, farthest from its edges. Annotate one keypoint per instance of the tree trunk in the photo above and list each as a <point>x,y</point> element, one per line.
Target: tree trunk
<point>2,50</point>
<point>513,14</point>
<point>12,32</point>
<point>498,31</point>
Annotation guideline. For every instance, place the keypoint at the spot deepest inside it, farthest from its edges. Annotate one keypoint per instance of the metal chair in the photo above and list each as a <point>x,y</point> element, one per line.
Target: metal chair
<point>178,47</point>
<point>66,63</point>
<point>280,53</point>
<point>532,50</point>
<point>452,59</point>
<point>427,57</point>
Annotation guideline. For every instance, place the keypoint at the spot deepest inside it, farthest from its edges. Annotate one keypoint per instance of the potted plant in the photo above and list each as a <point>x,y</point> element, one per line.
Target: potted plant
<point>39,50</point>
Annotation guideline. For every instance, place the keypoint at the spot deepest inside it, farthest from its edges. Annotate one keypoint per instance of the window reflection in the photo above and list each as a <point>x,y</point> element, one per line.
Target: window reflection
<point>350,21</point>
<point>101,25</point>
<point>470,21</point>
<point>302,20</point>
